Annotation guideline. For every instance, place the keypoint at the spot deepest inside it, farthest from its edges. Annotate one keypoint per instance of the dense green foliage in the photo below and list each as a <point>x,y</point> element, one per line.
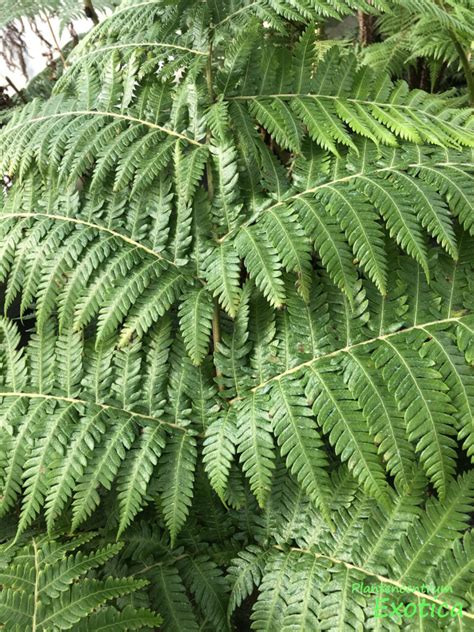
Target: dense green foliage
<point>66,10</point>
<point>434,40</point>
<point>237,343</point>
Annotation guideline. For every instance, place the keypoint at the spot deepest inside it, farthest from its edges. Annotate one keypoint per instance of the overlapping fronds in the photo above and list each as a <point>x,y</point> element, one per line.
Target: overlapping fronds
<point>439,37</point>
<point>54,584</point>
<point>129,244</point>
<point>115,179</point>
<point>237,292</point>
<point>339,580</point>
<point>76,420</point>
<point>385,381</point>
<point>66,10</point>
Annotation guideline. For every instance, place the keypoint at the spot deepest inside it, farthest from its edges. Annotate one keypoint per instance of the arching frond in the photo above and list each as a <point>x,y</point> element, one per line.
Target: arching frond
<point>310,585</point>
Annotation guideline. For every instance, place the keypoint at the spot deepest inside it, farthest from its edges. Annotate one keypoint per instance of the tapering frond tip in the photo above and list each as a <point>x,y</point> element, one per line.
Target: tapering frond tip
<point>255,444</point>
<point>176,480</point>
<point>195,314</point>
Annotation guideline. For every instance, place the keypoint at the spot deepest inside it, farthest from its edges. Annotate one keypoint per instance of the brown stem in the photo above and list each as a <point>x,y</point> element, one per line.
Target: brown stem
<point>466,67</point>
<point>424,75</point>
<point>436,81</point>
<point>90,12</point>
<point>366,28</point>
<point>210,90</point>
<point>56,42</point>
<point>73,34</point>
<point>15,89</point>
<point>216,336</point>
<point>216,326</point>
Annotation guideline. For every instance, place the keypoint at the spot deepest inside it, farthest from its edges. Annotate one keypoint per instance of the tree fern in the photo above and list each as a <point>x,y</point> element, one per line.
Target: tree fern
<point>237,329</point>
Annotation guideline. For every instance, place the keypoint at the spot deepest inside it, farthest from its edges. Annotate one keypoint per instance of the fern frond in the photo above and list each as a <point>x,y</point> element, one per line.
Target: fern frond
<point>329,242</point>
<point>385,422</point>
<point>429,535</point>
<point>176,477</point>
<point>136,472</point>
<point>255,445</point>
<point>195,314</point>
<point>339,417</point>
<point>300,443</point>
<point>427,409</point>
<point>223,275</point>
<point>79,446</point>
<point>219,449</point>
<point>323,585</point>
<point>401,221</point>
<point>176,608</point>
<point>206,582</point>
<point>270,607</point>
<point>230,171</point>
<point>288,238</point>
<point>101,470</point>
<point>263,264</point>
<point>44,586</point>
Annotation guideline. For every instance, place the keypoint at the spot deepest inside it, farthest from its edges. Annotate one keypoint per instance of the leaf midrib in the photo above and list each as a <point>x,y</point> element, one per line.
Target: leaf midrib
<point>349,348</point>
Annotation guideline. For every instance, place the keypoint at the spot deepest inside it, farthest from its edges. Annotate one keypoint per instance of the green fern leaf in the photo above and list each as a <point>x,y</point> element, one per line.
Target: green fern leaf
<point>129,618</point>
<point>101,470</point>
<point>176,477</point>
<point>66,471</point>
<point>342,609</point>
<point>255,445</point>
<point>195,316</point>
<point>206,582</point>
<point>218,451</point>
<point>385,422</point>
<point>426,406</point>
<point>426,540</point>
<point>289,241</point>
<point>35,477</point>
<point>271,604</point>
<point>246,572</point>
<point>231,170</point>
<point>323,125</point>
<point>176,608</point>
<point>398,214</point>
<point>262,262</point>
<point>338,416</point>
<point>304,605</point>
<point>457,376</point>
<point>125,296</point>
<point>300,443</point>
<point>362,230</point>
<point>47,587</point>
<point>135,474</point>
<point>329,241</point>
<point>279,122</point>
<point>223,276</point>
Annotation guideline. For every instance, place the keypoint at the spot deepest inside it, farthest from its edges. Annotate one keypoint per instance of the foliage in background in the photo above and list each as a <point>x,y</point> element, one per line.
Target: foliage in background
<point>30,41</point>
<point>66,10</point>
<point>236,351</point>
<point>431,45</point>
